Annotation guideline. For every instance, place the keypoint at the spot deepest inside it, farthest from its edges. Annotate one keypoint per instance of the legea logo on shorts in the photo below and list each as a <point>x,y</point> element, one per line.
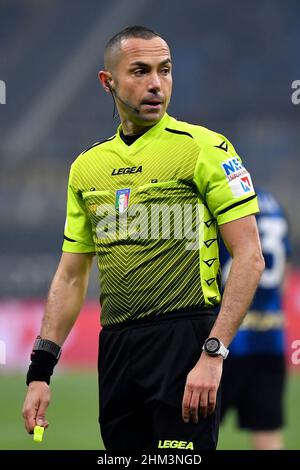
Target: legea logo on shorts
<point>175,445</point>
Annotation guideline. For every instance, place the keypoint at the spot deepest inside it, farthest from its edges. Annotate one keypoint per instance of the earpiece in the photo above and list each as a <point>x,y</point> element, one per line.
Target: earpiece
<point>115,94</point>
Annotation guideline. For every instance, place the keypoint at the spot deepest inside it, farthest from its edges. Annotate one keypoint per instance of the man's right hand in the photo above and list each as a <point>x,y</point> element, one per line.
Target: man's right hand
<point>35,405</point>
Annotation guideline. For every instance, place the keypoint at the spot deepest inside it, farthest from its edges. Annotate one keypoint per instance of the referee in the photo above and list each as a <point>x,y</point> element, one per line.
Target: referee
<point>150,202</point>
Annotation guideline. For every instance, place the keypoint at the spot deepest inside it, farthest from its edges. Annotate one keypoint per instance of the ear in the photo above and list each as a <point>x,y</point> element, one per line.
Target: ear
<point>104,79</point>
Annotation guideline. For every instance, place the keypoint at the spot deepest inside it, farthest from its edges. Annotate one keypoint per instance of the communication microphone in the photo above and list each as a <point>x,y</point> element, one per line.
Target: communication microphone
<point>114,93</point>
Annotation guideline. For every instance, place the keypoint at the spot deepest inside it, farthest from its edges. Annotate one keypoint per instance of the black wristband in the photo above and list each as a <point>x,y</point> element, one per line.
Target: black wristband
<point>41,367</point>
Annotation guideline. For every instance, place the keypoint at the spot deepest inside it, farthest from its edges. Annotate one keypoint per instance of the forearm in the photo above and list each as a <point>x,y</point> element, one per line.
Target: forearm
<point>63,305</point>
<point>240,288</point>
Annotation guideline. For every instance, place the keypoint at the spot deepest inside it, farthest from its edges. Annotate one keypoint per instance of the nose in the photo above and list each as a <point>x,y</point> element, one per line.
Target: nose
<point>154,83</point>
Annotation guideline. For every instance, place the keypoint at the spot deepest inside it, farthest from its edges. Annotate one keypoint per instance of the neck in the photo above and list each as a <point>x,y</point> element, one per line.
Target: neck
<point>132,128</point>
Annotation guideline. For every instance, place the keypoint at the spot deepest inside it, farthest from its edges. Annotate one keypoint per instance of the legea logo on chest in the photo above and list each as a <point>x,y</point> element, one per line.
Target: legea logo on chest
<point>127,170</point>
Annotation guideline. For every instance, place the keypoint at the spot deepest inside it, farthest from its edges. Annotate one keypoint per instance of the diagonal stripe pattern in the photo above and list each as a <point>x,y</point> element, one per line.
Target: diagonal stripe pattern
<point>147,263</point>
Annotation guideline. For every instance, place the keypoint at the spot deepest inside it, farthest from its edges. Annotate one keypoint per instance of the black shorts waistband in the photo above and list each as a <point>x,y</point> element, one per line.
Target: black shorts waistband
<point>190,313</point>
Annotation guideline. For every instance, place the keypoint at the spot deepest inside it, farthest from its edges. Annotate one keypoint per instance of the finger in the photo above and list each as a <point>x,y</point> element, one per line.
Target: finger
<point>29,415</point>
<point>29,423</point>
<point>194,407</point>
<point>44,423</point>
<point>212,400</point>
<point>203,403</point>
<point>41,413</point>
<point>186,404</point>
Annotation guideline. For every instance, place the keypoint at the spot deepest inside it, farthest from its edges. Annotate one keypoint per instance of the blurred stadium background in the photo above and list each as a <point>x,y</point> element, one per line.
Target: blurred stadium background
<point>234,64</point>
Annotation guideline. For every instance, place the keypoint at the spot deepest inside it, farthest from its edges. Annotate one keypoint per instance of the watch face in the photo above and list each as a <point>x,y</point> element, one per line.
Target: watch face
<point>212,345</point>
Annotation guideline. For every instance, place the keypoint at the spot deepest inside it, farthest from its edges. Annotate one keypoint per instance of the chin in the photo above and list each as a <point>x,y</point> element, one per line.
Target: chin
<point>151,118</point>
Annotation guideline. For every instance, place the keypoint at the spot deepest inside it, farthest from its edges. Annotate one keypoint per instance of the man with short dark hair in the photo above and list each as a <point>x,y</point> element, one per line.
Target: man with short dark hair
<point>149,202</point>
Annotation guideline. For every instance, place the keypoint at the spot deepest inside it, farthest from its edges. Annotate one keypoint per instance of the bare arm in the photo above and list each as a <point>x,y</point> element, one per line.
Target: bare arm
<point>242,239</point>
<point>66,295</point>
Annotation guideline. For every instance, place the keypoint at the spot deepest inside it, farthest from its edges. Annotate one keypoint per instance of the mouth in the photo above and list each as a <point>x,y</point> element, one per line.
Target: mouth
<point>153,103</point>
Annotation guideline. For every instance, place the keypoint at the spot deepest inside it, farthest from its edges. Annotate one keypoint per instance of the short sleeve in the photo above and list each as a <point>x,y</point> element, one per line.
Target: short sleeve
<point>224,183</point>
<point>78,236</point>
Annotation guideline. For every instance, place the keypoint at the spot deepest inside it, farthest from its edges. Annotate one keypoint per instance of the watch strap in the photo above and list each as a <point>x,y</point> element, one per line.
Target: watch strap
<point>41,344</point>
<point>223,351</point>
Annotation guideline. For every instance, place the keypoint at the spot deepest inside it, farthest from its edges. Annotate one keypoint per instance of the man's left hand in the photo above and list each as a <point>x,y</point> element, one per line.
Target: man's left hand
<point>202,383</point>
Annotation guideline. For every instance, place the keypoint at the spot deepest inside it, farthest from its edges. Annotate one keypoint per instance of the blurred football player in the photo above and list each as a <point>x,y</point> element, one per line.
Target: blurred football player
<point>254,374</point>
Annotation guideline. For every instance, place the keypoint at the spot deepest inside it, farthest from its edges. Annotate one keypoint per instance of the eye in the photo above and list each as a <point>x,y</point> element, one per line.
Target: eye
<point>165,70</point>
<point>139,72</point>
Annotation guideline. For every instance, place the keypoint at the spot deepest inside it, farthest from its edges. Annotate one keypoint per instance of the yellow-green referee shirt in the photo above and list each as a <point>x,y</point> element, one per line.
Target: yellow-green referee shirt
<point>150,211</point>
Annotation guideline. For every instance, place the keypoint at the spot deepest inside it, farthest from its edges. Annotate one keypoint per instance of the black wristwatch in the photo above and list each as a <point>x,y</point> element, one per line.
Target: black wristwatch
<point>41,344</point>
<point>214,347</point>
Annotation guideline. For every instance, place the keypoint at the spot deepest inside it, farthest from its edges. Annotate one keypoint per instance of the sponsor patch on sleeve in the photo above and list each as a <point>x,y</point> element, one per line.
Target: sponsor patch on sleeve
<point>238,177</point>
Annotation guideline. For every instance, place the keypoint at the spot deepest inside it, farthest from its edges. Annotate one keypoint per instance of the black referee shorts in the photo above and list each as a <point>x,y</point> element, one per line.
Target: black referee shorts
<point>254,386</point>
<point>143,368</point>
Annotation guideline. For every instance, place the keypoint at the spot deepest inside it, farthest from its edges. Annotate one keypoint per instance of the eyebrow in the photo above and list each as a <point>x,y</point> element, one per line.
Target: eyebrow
<point>143,64</point>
